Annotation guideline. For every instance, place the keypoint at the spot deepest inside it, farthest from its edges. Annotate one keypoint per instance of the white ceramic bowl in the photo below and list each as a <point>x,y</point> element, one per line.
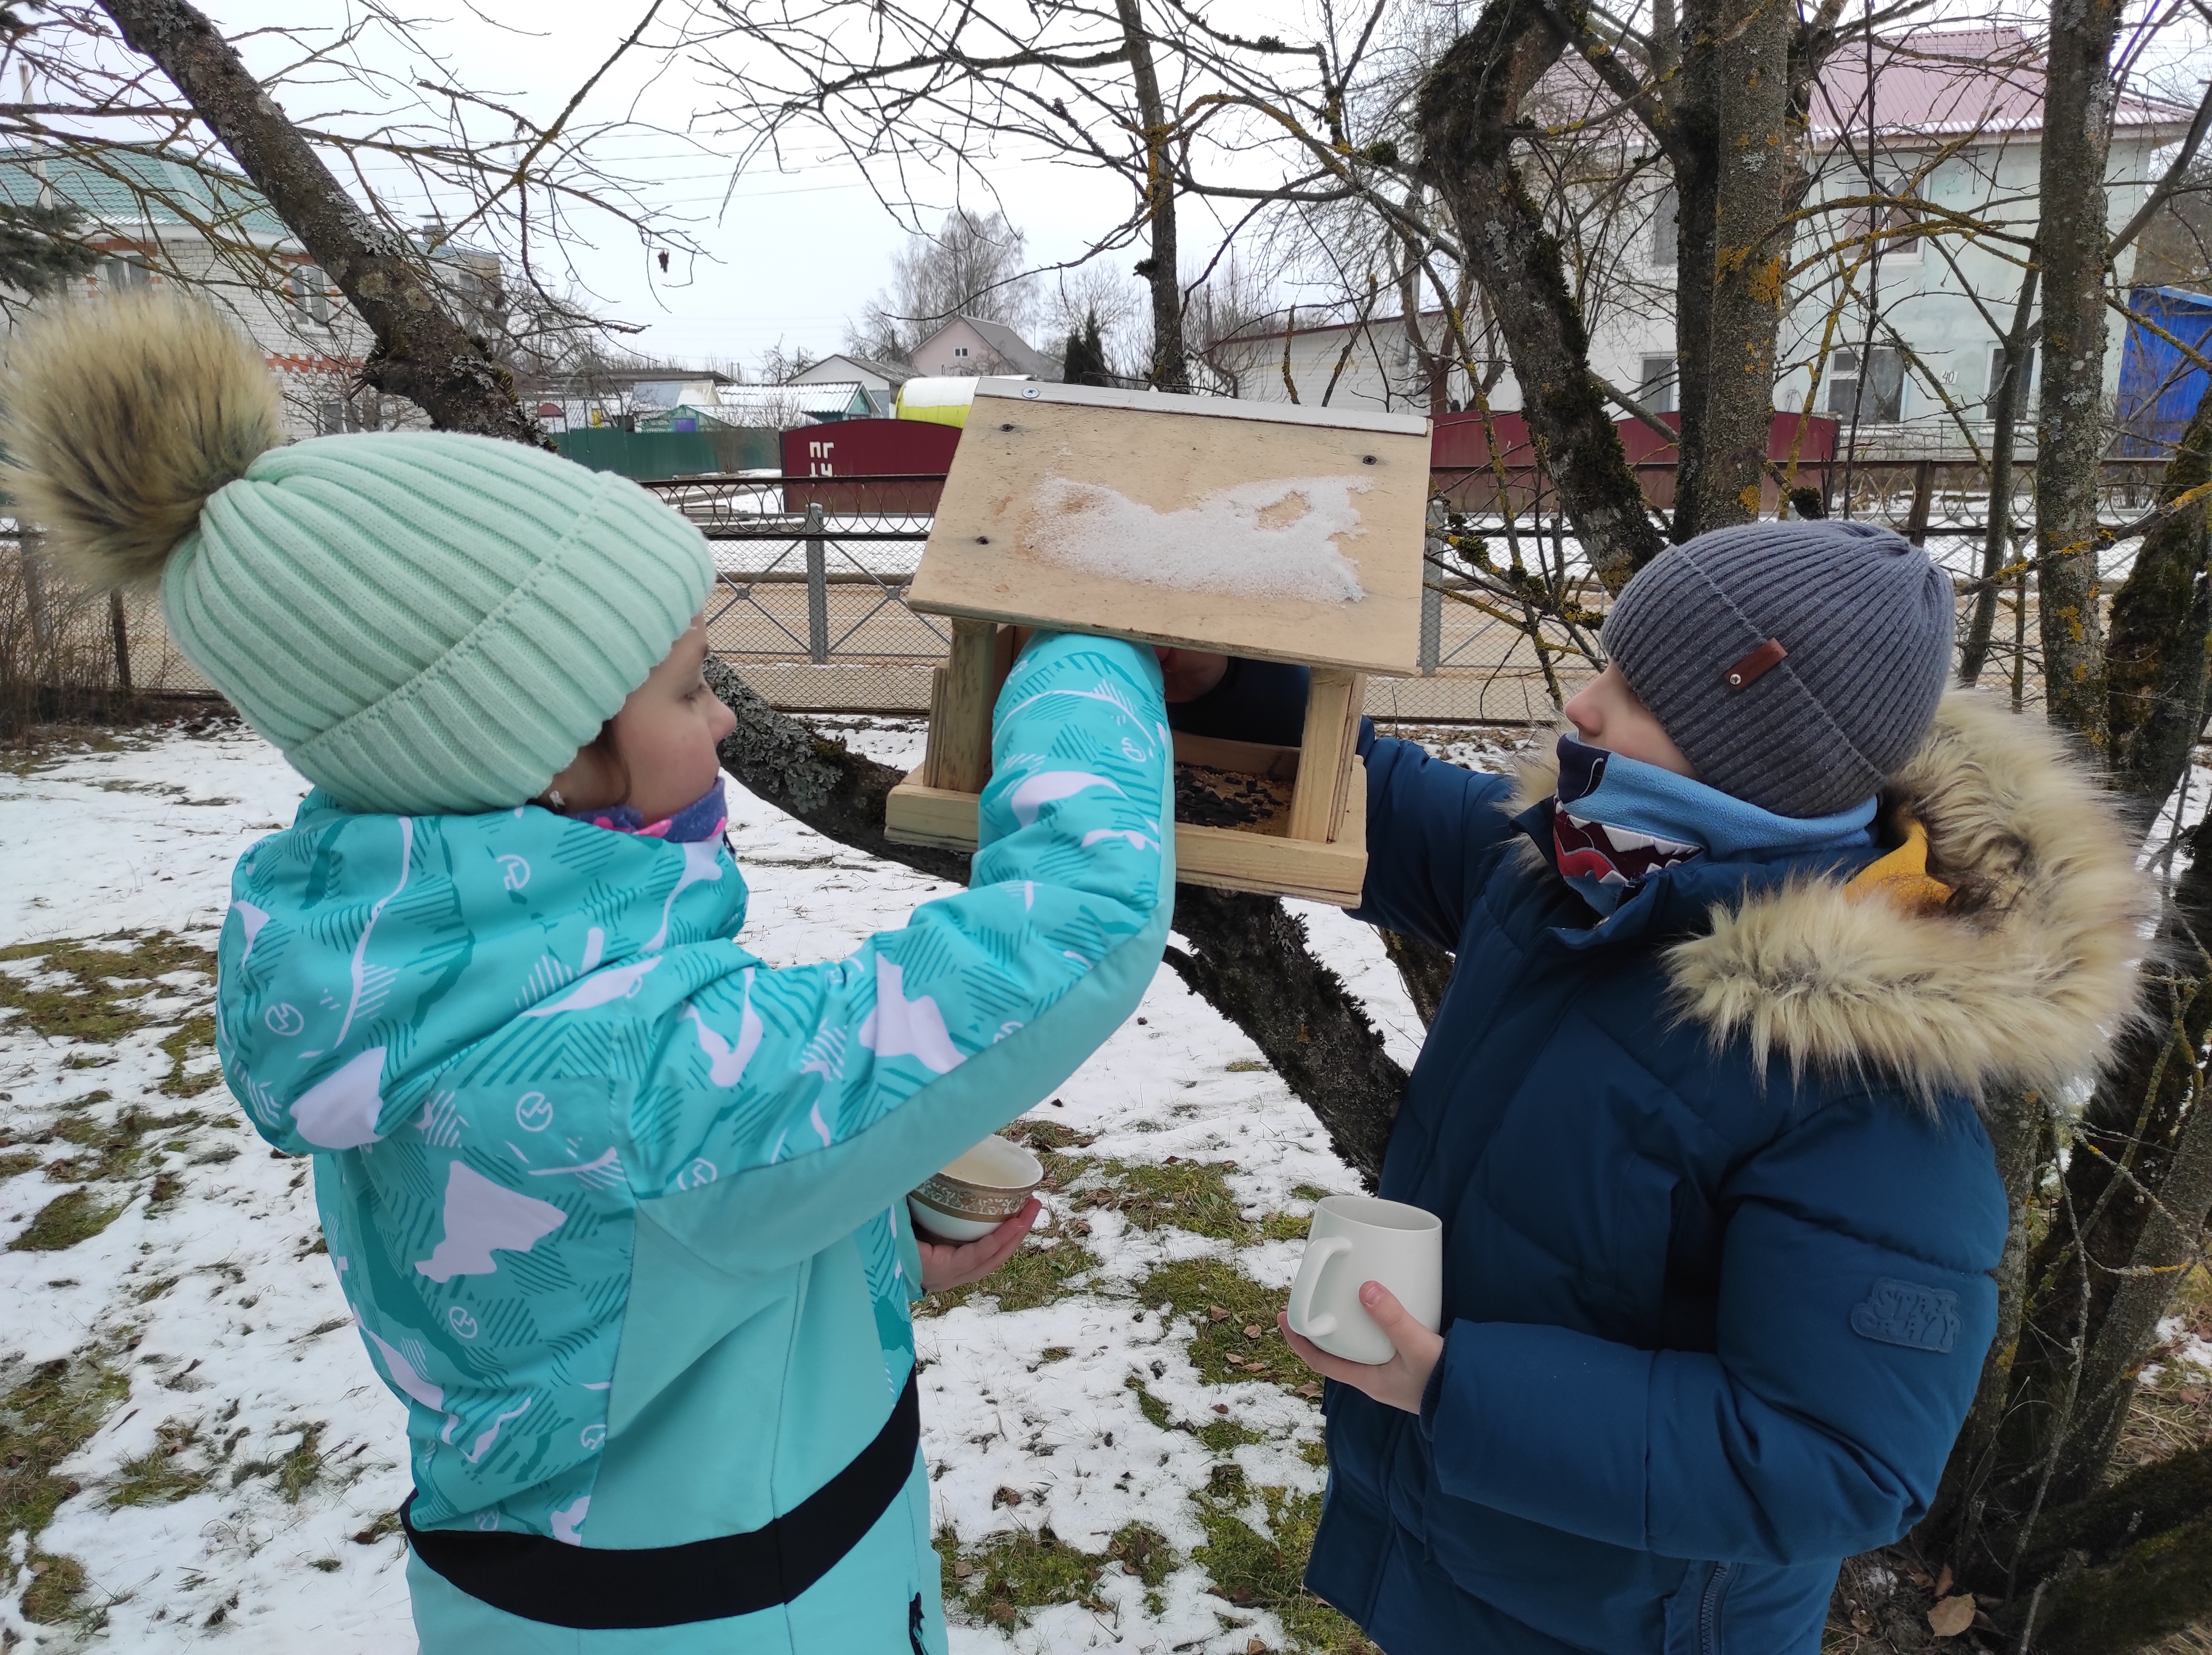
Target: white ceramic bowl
<point>977,1193</point>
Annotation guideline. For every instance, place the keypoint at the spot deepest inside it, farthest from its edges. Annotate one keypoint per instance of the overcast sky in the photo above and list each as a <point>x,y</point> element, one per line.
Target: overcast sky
<point>790,254</point>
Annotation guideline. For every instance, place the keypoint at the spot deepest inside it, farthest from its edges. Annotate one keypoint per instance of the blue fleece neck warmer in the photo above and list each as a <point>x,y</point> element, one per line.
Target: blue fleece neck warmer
<point>1616,821</point>
<point>702,819</point>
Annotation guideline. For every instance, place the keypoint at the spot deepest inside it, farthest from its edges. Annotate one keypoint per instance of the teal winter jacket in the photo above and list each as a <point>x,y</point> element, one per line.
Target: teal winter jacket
<point>618,1208</point>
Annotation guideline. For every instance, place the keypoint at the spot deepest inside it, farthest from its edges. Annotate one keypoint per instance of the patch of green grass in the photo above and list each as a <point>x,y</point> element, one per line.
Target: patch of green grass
<point>1248,1066</point>
<point>16,1161</point>
<point>1224,1435</point>
<point>1042,1134</point>
<point>106,984</point>
<point>1226,1302</point>
<point>115,1148</point>
<point>999,1579</point>
<point>1189,1195</point>
<point>45,1417</point>
<point>296,1473</point>
<point>57,1586</point>
<point>1144,1552</point>
<point>1038,1274</point>
<point>189,1040</point>
<point>1309,1193</point>
<point>68,1219</point>
<point>162,1476</point>
<point>1285,1227</point>
<point>1267,1571</point>
<point>1149,1405</point>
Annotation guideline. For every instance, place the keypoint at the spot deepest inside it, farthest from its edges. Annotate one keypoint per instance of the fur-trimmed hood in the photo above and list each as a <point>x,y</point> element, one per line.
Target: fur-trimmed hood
<point>2022,977</point>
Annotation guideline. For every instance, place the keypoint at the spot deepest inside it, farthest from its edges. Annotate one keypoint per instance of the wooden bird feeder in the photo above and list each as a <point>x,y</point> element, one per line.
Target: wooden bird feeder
<point>1262,530</point>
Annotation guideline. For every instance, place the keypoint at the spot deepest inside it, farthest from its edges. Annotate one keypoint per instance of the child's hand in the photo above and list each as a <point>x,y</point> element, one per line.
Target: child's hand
<point>1398,1382</point>
<point>946,1265</point>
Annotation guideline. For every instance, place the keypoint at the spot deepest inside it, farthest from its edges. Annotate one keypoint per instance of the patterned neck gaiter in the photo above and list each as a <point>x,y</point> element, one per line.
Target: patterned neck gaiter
<point>1616,821</point>
<point>704,818</point>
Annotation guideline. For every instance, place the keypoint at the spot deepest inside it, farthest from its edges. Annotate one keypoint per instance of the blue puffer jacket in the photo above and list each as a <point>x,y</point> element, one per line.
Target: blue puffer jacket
<point>619,1208</point>
<point>1719,1214</point>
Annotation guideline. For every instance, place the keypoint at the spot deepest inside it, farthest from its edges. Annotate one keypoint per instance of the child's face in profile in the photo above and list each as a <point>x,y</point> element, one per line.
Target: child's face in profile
<point>657,754</point>
<point>1605,713</point>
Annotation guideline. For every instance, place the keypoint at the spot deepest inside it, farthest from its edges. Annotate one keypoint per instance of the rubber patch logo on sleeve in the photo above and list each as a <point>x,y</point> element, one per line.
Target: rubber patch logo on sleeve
<point>1905,1313</point>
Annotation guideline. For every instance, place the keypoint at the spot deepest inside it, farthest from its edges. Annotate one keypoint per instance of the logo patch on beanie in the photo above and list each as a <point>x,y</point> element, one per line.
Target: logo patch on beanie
<point>1754,665</point>
<point>1905,1313</point>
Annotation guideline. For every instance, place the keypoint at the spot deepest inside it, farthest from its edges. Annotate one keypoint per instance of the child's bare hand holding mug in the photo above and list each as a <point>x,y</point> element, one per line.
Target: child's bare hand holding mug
<point>947,1264</point>
<point>1398,1382</point>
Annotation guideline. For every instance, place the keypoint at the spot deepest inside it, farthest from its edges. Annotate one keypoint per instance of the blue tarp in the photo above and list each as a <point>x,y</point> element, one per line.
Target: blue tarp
<point>2160,386</point>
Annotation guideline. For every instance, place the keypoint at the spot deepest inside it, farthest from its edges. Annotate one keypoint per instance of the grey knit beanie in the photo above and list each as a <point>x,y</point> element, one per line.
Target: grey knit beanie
<point>1797,665</point>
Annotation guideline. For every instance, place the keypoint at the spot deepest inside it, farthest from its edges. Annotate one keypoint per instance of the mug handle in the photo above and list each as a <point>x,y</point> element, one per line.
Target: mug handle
<point>1317,1261</point>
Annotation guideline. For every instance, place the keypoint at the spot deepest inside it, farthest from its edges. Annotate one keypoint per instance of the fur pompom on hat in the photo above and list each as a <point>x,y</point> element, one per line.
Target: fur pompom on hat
<point>423,622</point>
<point>121,420</point>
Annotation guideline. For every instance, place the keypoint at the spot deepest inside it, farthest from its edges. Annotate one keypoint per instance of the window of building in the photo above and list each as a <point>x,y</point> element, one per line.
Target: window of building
<point>1893,218</point>
<point>959,350</point>
<point>1876,397</point>
<point>1666,233</point>
<point>310,295</point>
<point>334,417</point>
<point>1996,375</point>
<point>1655,387</point>
<point>125,270</point>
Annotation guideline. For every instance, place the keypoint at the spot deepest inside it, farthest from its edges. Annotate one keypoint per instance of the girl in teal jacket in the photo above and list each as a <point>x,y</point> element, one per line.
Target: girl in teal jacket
<point>618,1208</point>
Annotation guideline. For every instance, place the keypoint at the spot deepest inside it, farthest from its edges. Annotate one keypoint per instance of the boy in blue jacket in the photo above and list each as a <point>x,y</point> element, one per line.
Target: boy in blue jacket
<point>617,1206</point>
<point>1698,1111</point>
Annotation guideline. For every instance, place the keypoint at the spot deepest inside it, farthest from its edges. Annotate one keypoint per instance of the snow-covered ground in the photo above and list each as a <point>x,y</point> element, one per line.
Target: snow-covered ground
<point>176,1370</point>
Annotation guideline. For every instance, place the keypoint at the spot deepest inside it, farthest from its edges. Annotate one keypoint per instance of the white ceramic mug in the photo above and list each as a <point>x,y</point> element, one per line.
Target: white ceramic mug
<point>1354,1239</point>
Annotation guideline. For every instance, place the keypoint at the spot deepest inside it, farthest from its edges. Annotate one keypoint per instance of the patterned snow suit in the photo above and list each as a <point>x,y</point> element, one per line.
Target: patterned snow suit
<point>619,1208</point>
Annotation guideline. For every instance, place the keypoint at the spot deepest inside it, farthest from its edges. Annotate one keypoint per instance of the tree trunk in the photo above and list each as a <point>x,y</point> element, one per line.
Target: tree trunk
<point>2155,661</point>
<point>1424,968</point>
<point>2010,395</point>
<point>1466,111</point>
<point>2069,415</point>
<point>1161,266</point>
<point>2144,1143</point>
<point>2150,1500</point>
<point>1739,82</point>
<point>2159,1586</point>
<point>1247,959</point>
<point>422,353</point>
<point>2151,1228</point>
<point>2018,1125</point>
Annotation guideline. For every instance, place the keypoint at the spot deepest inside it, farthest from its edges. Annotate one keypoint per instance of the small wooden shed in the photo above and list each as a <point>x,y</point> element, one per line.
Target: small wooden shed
<point>1263,530</point>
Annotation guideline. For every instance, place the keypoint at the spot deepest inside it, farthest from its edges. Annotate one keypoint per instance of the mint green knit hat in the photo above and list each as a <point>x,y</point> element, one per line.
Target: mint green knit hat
<point>422,622</point>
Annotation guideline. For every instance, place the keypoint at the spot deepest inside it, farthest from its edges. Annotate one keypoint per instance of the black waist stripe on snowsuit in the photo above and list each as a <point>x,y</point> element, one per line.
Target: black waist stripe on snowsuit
<point>597,1589</point>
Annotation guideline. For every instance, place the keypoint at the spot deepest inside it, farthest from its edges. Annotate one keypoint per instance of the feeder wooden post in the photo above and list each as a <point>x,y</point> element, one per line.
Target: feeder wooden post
<point>1325,751</point>
<point>960,710</point>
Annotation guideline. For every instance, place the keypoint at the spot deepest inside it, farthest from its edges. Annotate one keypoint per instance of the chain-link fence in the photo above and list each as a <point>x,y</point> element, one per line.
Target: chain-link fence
<point>66,653</point>
<point>811,575</point>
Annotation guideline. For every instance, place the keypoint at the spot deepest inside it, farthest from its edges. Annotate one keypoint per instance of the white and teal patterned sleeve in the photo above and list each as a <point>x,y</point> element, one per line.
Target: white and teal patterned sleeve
<point>786,1107</point>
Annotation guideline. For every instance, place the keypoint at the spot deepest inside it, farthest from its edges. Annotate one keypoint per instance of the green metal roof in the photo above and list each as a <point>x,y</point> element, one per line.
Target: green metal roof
<point>130,192</point>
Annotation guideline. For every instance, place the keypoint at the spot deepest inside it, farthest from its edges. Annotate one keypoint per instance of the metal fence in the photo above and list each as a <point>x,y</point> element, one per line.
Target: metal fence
<point>811,575</point>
